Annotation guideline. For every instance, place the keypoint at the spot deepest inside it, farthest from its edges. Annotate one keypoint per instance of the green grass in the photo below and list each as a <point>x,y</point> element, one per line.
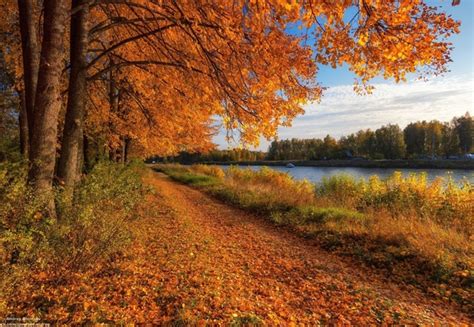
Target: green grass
<point>195,179</point>
<point>311,214</point>
<point>181,174</point>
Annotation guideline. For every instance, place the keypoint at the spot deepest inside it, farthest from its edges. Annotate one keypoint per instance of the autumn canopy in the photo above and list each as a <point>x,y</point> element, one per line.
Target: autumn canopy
<point>114,77</point>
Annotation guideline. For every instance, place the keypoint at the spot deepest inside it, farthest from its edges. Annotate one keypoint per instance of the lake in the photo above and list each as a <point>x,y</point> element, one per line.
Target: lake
<point>316,174</point>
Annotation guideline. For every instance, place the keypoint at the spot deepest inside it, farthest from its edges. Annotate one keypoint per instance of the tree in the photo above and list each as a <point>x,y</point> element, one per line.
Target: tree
<point>8,122</point>
<point>415,138</point>
<point>69,168</point>
<point>47,100</point>
<point>350,145</point>
<point>434,138</point>
<point>11,67</point>
<point>367,143</point>
<point>450,141</point>
<point>464,126</point>
<point>329,147</point>
<point>390,141</point>
<point>28,13</point>
<point>159,72</point>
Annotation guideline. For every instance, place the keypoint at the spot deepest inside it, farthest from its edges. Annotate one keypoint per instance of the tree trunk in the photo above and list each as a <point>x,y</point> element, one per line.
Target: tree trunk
<point>114,152</point>
<point>48,100</point>
<point>86,155</point>
<point>69,169</point>
<point>126,149</point>
<point>31,58</point>
<point>23,124</point>
<point>122,150</point>
<point>80,159</point>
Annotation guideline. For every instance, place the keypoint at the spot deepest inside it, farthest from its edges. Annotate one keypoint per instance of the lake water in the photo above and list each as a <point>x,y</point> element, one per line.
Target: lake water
<point>316,174</point>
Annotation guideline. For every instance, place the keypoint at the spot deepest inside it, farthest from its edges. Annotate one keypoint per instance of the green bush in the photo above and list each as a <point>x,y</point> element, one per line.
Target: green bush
<point>323,215</point>
<point>95,226</point>
<point>313,215</point>
<point>344,187</point>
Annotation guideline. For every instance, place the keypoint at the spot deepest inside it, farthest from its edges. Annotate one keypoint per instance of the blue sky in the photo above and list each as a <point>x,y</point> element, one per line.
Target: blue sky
<point>342,112</point>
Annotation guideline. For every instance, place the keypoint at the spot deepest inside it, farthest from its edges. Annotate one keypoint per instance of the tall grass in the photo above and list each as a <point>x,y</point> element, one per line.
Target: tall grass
<point>404,224</point>
<point>268,189</point>
<point>445,202</point>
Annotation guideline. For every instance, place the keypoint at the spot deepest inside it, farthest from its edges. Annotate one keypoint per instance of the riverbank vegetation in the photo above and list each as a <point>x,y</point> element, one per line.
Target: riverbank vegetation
<point>419,232</point>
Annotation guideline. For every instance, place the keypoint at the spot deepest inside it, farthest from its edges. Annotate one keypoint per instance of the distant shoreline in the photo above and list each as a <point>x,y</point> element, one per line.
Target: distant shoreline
<point>413,164</point>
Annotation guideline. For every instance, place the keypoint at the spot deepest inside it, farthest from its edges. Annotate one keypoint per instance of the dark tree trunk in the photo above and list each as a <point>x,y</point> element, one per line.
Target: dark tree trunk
<point>23,124</point>
<point>126,149</point>
<point>80,159</point>
<point>31,58</point>
<point>70,163</point>
<point>48,100</point>
<point>118,154</point>
<point>114,152</point>
<point>122,150</point>
<point>86,153</point>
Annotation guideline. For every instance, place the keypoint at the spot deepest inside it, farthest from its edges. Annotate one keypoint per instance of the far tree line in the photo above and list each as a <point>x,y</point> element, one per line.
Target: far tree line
<point>421,139</point>
<point>213,156</point>
<point>418,140</point>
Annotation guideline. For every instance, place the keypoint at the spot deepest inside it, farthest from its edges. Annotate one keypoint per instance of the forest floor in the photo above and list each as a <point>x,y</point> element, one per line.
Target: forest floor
<point>199,261</point>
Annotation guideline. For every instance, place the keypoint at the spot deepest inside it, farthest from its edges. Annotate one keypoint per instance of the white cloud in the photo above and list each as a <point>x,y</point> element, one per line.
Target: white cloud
<point>342,112</point>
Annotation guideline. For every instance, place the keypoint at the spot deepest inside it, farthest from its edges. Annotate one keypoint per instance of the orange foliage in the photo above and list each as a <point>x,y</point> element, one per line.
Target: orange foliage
<point>177,66</point>
<point>200,60</point>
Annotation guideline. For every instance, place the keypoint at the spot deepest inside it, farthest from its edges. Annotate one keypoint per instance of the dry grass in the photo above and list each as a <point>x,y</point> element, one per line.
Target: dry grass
<point>275,187</point>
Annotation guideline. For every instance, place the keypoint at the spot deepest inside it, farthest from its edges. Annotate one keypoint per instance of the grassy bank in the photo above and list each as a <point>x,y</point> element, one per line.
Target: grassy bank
<point>418,232</point>
<point>38,251</point>
<point>412,164</point>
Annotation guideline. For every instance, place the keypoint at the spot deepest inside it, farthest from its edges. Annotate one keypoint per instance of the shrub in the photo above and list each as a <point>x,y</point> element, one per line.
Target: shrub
<point>95,226</point>
<point>89,231</point>
<point>270,187</point>
<point>196,180</point>
<point>208,170</point>
<point>310,214</point>
<point>343,187</point>
<point>304,215</point>
<point>447,202</point>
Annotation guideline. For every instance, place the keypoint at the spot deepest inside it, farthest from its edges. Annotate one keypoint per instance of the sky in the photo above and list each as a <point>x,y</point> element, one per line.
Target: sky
<point>342,112</point>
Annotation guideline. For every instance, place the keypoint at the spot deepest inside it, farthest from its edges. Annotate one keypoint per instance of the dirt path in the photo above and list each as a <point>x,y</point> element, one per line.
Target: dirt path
<point>196,261</point>
<point>225,264</point>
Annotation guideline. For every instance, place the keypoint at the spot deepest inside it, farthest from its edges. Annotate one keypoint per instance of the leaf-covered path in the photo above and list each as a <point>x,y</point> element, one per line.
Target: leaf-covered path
<point>196,261</point>
<point>220,264</point>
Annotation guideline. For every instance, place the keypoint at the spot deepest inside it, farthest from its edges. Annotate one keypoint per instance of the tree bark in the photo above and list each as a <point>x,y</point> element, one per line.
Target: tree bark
<point>114,152</point>
<point>31,58</point>
<point>48,100</point>
<point>70,163</point>
<point>126,149</point>
<point>86,153</point>
<point>23,124</point>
